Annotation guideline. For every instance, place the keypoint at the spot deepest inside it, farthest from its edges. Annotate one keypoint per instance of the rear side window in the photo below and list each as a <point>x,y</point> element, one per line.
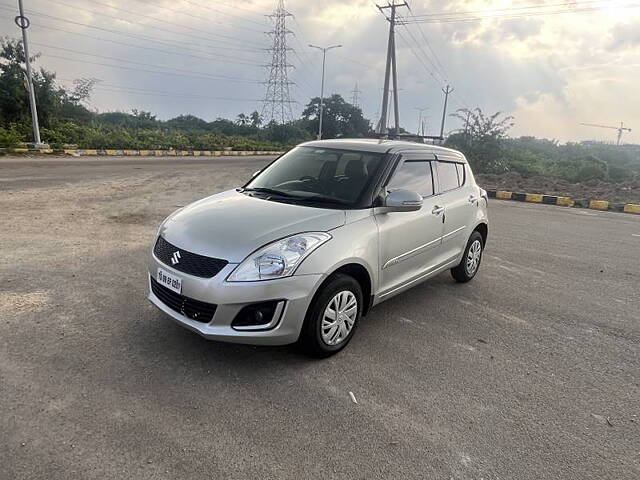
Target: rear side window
<point>414,176</point>
<point>449,176</point>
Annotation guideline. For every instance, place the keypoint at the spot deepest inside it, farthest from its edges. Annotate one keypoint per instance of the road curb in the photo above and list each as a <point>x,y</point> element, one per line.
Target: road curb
<point>602,205</point>
<point>89,152</point>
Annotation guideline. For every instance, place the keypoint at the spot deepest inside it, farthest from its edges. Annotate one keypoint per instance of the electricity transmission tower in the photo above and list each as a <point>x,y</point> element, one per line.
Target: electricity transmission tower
<point>391,65</point>
<point>355,96</point>
<point>277,99</point>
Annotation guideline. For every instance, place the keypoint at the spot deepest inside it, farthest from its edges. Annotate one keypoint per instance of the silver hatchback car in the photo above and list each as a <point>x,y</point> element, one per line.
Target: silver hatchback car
<point>317,238</point>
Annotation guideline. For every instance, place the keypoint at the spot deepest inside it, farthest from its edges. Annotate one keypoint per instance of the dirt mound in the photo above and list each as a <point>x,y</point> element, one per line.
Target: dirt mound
<point>623,192</point>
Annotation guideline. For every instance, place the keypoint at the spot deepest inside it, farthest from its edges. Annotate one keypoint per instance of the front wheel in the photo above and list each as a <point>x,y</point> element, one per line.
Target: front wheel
<point>468,266</point>
<point>332,317</point>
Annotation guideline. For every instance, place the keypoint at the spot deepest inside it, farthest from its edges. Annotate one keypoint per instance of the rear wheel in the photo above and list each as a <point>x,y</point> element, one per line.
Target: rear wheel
<point>332,317</point>
<point>470,263</point>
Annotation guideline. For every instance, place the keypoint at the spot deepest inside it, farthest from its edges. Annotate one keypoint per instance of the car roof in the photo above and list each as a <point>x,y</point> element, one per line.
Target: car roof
<point>384,146</point>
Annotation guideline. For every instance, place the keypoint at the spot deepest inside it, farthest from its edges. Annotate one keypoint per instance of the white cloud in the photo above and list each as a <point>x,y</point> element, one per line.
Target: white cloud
<point>552,72</point>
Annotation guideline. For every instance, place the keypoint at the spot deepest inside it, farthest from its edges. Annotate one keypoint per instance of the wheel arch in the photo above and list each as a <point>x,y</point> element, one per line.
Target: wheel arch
<point>361,274</point>
<point>483,229</point>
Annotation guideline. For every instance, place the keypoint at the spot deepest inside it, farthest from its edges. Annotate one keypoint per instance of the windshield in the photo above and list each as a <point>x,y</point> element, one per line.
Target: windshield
<point>318,175</point>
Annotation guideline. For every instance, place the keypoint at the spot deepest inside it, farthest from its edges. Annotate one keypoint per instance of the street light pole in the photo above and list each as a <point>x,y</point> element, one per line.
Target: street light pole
<point>324,58</point>
<point>23,23</point>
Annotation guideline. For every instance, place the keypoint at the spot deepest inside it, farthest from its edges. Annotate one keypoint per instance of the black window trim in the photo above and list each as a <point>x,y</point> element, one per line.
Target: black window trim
<point>451,160</point>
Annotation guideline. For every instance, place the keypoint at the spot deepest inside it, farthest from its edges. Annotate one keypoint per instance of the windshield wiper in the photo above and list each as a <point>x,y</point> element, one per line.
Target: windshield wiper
<point>297,198</point>
<point>268,191</point>
<point>334,201</point>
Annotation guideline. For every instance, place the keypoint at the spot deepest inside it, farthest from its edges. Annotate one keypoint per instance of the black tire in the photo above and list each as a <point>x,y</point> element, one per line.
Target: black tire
<point>311,338</point>
<point>462,273</point>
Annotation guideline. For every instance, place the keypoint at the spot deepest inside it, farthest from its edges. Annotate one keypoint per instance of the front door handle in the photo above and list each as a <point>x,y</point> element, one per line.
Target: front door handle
<point>437,210</point>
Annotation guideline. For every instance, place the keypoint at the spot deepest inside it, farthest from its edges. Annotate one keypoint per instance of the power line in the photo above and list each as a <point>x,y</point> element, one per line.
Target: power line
<point>182,12</point>
<point>428,44</point>
<point>133,22</point>
<point>481,17</point>
<point>117,59</point>
<point>123,67</point>
<point>439,82</point>
<point>162,93</point>
<point>127,34</point>
<point>573,3</point>
<point>108,5</point>
<point>435,71</point>
<point>235,6</point>
<point>225,58</point>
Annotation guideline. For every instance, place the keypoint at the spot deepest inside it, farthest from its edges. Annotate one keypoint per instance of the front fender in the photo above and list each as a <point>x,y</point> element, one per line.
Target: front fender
<point>353,243</point>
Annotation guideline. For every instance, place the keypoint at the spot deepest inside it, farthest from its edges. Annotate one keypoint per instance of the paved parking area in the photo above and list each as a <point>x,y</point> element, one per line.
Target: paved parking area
<point>531,371</point>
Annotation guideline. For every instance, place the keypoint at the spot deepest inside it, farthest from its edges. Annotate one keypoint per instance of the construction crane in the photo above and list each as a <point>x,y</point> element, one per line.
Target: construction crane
<point>620,129</point>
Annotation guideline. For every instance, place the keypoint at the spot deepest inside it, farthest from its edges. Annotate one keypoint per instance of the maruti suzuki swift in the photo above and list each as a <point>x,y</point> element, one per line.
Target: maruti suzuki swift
<point>316,239</point>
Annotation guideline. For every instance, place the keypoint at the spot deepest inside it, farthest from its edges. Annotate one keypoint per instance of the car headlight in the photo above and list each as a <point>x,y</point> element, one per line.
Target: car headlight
<point>278,259</point>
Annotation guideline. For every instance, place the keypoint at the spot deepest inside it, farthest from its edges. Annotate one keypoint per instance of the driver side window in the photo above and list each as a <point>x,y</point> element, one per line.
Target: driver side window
<point>413,175</point>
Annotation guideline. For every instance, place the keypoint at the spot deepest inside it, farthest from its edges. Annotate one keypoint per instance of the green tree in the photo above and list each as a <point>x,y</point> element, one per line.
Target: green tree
<point>242,119</point>
<point>256,119</point>
<point>340,119</point>
<point>482,139</point>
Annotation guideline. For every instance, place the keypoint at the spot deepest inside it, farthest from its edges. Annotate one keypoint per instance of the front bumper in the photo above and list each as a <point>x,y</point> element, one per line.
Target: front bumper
<point>230,297</point>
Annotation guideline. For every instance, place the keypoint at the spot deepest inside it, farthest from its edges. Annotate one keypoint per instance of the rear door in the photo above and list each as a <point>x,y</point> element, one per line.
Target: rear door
<point>410,241</point>
<point>457,196</point>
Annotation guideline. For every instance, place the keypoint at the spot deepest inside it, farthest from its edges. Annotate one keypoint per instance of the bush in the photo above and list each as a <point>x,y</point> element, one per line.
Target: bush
<point>10,137</point>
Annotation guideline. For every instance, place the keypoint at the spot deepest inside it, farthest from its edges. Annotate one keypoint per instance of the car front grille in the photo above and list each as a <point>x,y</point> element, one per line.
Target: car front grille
<point>187,262</point>
<point>193,309</point>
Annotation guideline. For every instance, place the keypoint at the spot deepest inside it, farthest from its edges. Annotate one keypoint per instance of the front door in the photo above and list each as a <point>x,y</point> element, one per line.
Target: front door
<point>410,242</point>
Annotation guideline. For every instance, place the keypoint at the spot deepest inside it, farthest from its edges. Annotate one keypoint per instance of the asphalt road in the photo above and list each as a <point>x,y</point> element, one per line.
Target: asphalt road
<point>531,371</point>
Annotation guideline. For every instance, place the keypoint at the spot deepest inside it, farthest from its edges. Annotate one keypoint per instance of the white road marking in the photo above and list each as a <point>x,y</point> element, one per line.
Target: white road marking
<point>353,397</point>
<point>635,235</point>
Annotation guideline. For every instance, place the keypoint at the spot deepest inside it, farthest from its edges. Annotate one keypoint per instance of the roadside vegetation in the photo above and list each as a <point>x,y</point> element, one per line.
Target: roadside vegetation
<point>66,120</point>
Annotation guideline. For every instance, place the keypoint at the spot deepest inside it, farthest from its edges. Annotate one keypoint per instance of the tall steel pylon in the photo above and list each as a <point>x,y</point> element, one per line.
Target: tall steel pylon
<point>277,100</point>
<point>355,96</point>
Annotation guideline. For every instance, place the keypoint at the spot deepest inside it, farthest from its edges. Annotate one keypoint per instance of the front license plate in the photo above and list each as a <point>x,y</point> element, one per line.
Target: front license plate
<point>169,280</point>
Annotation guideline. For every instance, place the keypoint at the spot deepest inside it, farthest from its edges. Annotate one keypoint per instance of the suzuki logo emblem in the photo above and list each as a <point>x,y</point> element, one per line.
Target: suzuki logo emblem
<point>175,258</point>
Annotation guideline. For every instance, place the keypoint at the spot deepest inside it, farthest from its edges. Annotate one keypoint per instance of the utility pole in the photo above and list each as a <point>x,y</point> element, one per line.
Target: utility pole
<point>446,92</point>
<point>324,58</point>
<point>466,128</point>
<point>23,23</point>
<point>391,63</point>
<point>420,110</point>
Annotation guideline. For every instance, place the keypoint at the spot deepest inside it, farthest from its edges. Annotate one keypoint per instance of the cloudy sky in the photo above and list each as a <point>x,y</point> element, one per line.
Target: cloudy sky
<point>552,64</point>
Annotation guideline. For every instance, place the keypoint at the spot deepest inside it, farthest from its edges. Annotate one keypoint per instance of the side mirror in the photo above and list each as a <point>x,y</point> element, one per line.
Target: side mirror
<point>402,201</point>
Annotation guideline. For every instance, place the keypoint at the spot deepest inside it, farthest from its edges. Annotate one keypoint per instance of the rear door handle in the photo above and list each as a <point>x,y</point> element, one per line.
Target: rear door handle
<point>437,210</point>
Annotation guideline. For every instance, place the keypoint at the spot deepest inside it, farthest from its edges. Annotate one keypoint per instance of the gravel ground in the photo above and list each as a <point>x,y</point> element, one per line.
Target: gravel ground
<point>530,371</point>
